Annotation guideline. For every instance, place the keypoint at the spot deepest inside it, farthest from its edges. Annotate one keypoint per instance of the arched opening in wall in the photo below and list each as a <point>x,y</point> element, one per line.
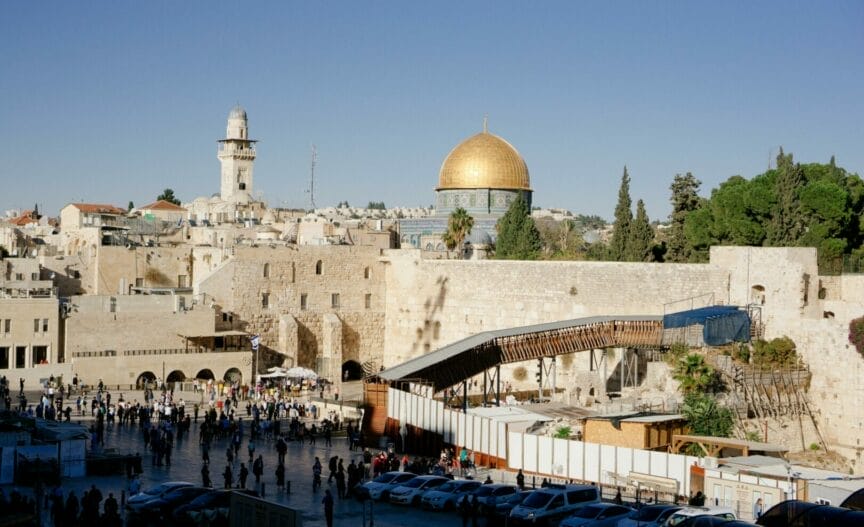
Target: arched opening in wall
<point>176,376</point>
<point>319,266</point>
<point>266,270</point>
<point>367,273</point>
<point>205,374</point>
<point>828,314</point>
<point>233,375</point>
<point>757,295</point>
<point>591,392</point>
<point>429,246</point>
<point>352,371</point>
<point>146,378</point>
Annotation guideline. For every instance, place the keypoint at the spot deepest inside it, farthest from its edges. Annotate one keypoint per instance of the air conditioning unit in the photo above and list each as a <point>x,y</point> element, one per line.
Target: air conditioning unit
<point>709,462</point>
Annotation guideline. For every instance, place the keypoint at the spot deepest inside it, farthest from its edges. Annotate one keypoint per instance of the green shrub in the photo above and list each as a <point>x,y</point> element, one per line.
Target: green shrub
<point>856,334</point>
<point>563,432</point>
<point>777,352</point>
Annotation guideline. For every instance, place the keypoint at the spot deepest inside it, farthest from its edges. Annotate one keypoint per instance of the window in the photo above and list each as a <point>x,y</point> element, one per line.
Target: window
<point>318,267</point>
<point>303,301</point>
<point>7,325</point>
<point>266,270</point>
<point>34,276</point>
<point>182,280</point>
<point>19,276</point>
<point>265,300</point>
<point>113,307</point>
<point>139,282</point>
<point>367,273</point>
<point>557,502</point>
<point>368,300</point>
<point>20,356</point>
<point>40,354</point>
<point>45,325</point>
<point>334,300</point>
<point>36,325</point>
<point>4,358</point>
<point>224,317</point>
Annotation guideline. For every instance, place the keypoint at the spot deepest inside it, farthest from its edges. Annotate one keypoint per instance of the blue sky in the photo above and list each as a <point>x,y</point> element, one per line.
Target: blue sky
<point>115,101</point>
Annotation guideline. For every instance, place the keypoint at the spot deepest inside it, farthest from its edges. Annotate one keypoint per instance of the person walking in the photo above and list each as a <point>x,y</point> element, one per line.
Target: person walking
<point>757,509</point>
<point>316,475</point>
<point>465,510</point>
<point>328,507</point>
<point>228,476</point>
<point>258,469</point>
<point>280,475</point>
<point>244,473</point>
<point>520,480</point>
<point>205,476</point>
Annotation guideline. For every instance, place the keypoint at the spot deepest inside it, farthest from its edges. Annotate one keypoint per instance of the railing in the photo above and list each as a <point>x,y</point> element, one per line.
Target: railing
<point>146,352</point>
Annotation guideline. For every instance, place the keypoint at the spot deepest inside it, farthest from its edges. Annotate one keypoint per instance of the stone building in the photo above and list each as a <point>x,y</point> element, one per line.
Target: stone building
<point>29,318</point>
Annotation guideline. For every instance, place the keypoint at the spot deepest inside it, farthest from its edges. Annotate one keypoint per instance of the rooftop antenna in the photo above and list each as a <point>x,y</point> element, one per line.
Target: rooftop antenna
<point>312,176</point>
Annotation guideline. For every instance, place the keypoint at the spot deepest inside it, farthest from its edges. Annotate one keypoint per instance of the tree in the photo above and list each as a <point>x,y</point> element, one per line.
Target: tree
<point>693,374</point>
<point>705,417</point>
<point>787,223</point>
<point>459,226</point>
<point>168,195</point>
<point>376,205</point>
<point>641,242</point>
<point>131,206</point>
<point>623,218</point>
<point>518,238</point>
<point>685,199</point>
<point>562,240</point>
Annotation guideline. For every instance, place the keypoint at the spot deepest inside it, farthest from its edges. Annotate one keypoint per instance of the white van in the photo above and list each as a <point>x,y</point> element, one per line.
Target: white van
<point>547,506</point>
<point>689,512</point>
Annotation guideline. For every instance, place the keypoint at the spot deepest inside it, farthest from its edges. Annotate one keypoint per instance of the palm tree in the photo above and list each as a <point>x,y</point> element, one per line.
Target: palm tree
<point>693,374</point>
<point>459,226</point>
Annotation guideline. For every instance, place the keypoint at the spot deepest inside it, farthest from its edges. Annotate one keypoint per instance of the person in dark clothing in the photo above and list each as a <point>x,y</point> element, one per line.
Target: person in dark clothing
<point>328,507</point>
<point>258,469</point>
<point>244,473</point>
<point>465,510</point>
<point>475,509</point>
<point>71,509</point>
<point>229,476</point>
<point>340,482</point>
<point>520,480</point>
<point>205,476</point>
<point>280,475</point>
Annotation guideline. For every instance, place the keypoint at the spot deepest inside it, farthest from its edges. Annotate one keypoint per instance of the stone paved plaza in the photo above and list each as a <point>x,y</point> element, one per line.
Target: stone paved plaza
<point>186,466</point>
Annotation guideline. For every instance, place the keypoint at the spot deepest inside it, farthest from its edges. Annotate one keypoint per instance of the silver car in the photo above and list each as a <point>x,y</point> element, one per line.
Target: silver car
<point>448,495</point>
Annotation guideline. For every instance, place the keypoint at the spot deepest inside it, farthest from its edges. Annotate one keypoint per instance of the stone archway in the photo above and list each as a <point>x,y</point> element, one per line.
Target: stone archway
<point>352,371</point>
<point>148,377</point>
<point>176,376</point>
<point>205,374</point>
<point>233,375</point>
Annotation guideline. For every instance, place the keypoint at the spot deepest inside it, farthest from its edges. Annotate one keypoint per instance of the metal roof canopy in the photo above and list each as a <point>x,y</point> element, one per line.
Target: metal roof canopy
<point>463,359</point>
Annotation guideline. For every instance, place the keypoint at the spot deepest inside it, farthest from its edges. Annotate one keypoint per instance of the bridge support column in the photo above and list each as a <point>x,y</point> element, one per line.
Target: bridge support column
<point>492,385</point>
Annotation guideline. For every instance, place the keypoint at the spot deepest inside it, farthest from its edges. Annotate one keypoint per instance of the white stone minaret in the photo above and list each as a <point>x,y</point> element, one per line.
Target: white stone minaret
<point>237,155</point>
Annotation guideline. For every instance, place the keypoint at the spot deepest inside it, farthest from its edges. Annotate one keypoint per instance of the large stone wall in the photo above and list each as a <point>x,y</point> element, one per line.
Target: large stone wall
<point>354,273</point>
<point>431,303</point>
<point>125,370</point>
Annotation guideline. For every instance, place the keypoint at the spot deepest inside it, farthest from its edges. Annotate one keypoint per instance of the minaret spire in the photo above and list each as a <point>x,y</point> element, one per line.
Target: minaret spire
<point>486,123</point>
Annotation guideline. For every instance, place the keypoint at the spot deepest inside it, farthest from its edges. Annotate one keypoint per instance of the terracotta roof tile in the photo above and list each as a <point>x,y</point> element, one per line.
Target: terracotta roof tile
<point>162,205</point>
<point>95,207</point>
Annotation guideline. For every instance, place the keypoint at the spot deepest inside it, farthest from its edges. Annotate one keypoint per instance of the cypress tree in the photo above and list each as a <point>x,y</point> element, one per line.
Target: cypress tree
<point>623,218</point>
<point>518,237</point>
<point>641,240</point>
<point>685,199</point>
<point>787,223</point>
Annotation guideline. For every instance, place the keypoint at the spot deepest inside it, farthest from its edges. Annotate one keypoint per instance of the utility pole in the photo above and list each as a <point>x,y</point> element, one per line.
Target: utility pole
<point>312,176</point>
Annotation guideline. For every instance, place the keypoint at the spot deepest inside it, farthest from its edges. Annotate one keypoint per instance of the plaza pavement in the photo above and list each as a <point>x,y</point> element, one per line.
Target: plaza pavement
<point>186,466</point>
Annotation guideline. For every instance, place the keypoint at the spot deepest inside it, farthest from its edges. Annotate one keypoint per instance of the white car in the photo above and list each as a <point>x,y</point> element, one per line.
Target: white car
<point>380,487</point>
<point>411,492</point>
<point>689,512</point>
<point>548,506</point>
<point>650,516</point>
<point>448,495</point>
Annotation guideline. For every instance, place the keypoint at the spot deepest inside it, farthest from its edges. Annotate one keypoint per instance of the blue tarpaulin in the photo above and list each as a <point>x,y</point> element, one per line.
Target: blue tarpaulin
<point>722,324</point>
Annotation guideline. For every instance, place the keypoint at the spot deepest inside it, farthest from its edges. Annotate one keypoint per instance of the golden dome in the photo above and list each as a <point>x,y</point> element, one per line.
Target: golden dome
<point>484,161</point>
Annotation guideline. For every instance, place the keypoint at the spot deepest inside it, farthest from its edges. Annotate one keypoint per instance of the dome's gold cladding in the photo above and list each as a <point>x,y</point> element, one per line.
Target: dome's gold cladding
<point>484,161</point>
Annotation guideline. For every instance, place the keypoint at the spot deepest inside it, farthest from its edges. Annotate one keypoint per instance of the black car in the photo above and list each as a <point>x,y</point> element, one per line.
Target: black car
<point>161,508</point>
<point>215,499</point>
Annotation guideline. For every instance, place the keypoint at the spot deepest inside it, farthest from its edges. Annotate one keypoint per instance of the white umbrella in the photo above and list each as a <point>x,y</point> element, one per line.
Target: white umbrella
<point>276,369</point>
<point>301,373</point>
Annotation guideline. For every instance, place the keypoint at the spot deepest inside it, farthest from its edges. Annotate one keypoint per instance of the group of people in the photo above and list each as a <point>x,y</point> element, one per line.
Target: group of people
<point>71,512</point>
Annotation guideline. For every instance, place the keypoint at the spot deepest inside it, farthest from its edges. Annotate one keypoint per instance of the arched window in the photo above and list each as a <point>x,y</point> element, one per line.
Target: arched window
<point>757,295</point>
<point>367,273</point>
<point>319,266</point>
<point>266,270</point>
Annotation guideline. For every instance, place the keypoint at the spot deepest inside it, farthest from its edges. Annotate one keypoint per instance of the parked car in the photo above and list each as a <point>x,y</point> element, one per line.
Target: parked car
<point>448,495</point>
<point>504,505</point>
<point>411,492</point>
<point>649,516</point>
<point>493,491</point>
<point>136,502</point>
<point>380,487</point>
<point>215,499</point>
<point>597,515</point>
<point>548,505</point>
<point>163,506</point>
<point>689,512</point>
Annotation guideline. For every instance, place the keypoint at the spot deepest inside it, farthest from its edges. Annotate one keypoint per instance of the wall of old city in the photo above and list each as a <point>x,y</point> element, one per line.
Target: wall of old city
<point>125,370</point>
<point>32,335</point>
<point>286,303</point>
<point>431,303</point>
<point>133,322</point>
